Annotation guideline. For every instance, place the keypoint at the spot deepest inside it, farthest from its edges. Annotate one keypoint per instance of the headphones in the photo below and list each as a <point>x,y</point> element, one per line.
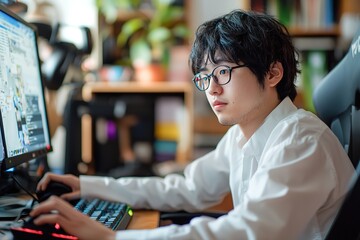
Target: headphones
<point>64,54</point>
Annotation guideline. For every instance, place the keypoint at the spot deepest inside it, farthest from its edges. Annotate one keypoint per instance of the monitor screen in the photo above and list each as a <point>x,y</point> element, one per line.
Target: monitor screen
<point>23,121</point>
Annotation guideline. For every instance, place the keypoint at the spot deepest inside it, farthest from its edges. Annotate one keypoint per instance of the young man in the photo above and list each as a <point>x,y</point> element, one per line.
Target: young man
<point>286,171</point>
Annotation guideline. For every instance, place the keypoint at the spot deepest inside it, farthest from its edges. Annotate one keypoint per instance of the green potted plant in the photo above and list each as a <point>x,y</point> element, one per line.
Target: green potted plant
<point>148,35</point>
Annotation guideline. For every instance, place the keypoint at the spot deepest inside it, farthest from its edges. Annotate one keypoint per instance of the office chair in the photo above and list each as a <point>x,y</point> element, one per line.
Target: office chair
<point>337,102</point>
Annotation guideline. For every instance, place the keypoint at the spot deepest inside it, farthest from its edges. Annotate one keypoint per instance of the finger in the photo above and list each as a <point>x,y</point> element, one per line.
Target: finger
<point>51,177</point>
<point>62,217</point>
<point>44,181</point>
<point>54,203</point>
<point>50,218</point>
<point>44,207</point>
<point>71,196</point>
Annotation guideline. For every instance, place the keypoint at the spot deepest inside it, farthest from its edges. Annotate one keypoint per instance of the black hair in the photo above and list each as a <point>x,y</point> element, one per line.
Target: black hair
<point>252,38</point>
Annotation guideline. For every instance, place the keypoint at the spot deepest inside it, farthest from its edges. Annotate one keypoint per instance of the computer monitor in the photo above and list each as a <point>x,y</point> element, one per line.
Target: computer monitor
<point>23,116</point>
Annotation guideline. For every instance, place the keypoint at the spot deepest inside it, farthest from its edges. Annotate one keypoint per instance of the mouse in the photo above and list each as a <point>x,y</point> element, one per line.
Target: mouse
<point>29,230</point>
<point>53,188</point>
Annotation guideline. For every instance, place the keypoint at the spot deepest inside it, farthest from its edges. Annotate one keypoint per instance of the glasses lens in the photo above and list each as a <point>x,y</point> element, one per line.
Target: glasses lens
<point>222,74</point>
<point>201,81</point>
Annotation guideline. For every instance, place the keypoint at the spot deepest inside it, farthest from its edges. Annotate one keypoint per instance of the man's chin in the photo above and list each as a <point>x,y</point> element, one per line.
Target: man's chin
<point>224,121</point>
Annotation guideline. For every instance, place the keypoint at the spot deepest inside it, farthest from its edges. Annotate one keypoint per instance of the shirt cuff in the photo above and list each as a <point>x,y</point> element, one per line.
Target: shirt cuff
<point>89,183</point>
<point>152,234</point>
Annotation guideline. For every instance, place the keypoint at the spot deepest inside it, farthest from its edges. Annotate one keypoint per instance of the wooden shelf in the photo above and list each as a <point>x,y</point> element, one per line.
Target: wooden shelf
<point>314,32</point>
<point>135,87</point>
<point>184,149</point>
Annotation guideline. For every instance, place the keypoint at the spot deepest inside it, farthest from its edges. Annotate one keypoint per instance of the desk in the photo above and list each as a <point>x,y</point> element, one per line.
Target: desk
<point>144,219</point>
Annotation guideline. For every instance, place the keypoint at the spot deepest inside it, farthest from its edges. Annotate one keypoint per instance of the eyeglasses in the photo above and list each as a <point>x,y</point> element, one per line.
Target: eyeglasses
<point>221,75</point>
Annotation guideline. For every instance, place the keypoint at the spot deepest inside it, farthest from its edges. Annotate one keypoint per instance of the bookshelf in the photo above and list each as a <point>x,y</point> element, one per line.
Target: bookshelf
<point>316,29</point>
<point>172,122</point>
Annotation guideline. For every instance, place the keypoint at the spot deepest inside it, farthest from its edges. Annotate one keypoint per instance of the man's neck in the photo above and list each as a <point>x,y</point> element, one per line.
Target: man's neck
<point>249,127</point>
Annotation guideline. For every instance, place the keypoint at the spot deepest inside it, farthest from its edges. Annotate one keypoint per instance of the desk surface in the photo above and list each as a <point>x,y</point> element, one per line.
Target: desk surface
<point>144,219</point>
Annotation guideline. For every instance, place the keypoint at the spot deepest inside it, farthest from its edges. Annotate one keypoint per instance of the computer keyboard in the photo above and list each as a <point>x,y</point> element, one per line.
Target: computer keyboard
<point>114,215</point>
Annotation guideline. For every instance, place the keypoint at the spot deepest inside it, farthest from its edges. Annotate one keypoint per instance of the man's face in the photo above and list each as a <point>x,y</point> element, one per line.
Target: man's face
<point>243,100</point>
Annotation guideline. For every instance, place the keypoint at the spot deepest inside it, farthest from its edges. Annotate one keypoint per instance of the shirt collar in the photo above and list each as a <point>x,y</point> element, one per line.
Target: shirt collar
<point>255,145</point>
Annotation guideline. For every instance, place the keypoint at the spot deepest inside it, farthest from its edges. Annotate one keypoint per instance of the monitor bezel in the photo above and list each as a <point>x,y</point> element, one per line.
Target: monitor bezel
<point>11,162</point>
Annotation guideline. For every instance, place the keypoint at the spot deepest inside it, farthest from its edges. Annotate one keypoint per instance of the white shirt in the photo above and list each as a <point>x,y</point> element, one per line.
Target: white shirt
<point>287,182</point>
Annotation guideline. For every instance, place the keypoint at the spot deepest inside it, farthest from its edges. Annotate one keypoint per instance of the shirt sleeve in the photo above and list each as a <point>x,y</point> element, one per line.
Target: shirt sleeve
<point>284,195</point>
<point>295,178</point>
<point>193,191</point>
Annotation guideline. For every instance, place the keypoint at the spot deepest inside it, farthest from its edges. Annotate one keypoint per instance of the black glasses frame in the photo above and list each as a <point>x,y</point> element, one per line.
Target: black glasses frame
<point>211,75</point>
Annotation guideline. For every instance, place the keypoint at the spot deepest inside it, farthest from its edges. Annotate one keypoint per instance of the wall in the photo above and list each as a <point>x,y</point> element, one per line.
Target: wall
<point>203,10</point>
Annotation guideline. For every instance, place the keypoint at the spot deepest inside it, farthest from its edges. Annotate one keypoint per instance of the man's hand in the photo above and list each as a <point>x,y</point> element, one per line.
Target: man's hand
<point>55,210</point>
<point>70,180</point>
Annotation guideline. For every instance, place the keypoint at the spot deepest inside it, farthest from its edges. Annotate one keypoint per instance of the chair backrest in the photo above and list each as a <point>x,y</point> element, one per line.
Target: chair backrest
<point>337,102</point>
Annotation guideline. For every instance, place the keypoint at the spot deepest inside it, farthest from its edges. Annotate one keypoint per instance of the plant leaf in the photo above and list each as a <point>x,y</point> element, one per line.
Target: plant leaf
<point>140,51</point>
<point>181,31</point>
<point>159,35</point>
<point>171,15</point>
<point>110,8</point>
<point>128,30</point>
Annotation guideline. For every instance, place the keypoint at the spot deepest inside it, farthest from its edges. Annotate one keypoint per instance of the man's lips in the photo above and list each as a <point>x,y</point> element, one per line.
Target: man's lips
<point>217,105</point>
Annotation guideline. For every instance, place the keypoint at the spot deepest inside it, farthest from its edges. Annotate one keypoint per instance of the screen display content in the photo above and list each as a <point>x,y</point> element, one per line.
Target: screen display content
<point>23,122</point>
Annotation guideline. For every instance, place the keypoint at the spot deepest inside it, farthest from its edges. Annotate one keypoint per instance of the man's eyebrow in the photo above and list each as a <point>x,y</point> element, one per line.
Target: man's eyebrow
<point>220,60</point>
<point>216,61</point>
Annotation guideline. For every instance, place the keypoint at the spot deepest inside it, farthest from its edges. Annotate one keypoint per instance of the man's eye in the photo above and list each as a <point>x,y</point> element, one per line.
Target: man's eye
<point>224,71</point>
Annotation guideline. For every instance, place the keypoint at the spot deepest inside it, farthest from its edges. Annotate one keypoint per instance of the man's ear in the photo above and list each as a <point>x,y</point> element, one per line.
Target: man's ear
<point>275,74</point>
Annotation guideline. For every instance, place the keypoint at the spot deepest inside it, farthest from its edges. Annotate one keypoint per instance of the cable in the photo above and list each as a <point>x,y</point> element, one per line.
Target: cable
<point>26,210</point>
<point>23,213</point>
<point>23,188</point>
